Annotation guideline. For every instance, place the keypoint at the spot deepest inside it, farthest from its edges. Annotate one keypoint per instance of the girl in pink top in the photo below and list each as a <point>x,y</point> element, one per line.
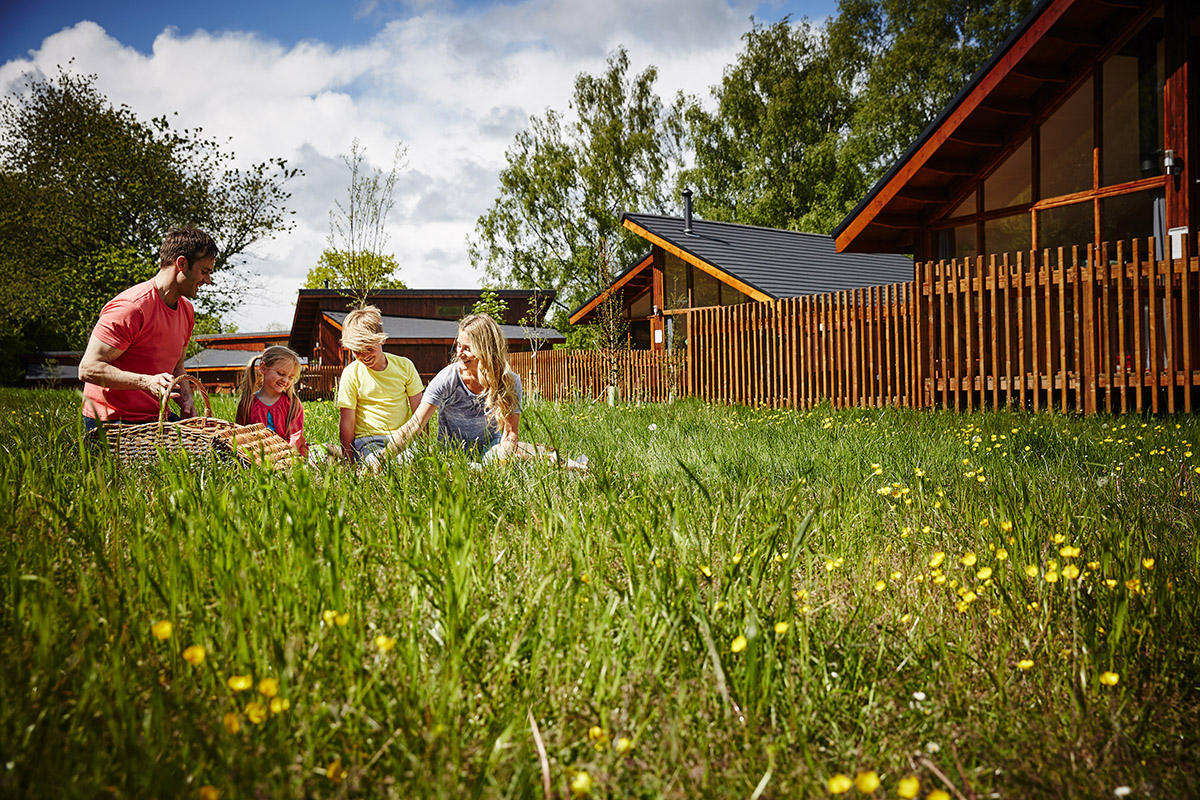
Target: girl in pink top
<point>269,395</point>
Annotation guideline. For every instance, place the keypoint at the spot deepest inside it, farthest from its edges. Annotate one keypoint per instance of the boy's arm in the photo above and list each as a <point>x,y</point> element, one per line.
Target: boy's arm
<point>414,400</point>
<point>408,431</point>
<point>346,431</point>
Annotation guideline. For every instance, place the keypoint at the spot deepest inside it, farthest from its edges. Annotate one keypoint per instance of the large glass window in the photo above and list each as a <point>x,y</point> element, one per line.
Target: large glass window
<point>1139,215</point>
<point>1066,226</point>
<point>1011,183</point>
<point>960,243</point>
<point>1008,234</point>
<point>731,296</point>
<point>1065,152</point>
<point>674,282</point>
<point>966,207</point>
<point>706,290</point>
<point>1131,117</point>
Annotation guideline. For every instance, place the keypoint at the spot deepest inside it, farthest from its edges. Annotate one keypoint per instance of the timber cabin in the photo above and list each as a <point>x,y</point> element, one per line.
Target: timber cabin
<point>695,263</point>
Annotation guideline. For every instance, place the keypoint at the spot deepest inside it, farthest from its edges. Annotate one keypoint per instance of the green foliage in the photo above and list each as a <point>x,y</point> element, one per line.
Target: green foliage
<point>358,230</point>
<point>613,602</point>
<point>492,304</point>
<point>337,270</point>
<point>568,181</point>
<point>90,190</point>
<point>906,59</point>
<point>771,151</point>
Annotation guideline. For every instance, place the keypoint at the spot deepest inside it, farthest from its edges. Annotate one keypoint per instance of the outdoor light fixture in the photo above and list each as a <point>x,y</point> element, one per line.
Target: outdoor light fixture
<point>1172,165</point>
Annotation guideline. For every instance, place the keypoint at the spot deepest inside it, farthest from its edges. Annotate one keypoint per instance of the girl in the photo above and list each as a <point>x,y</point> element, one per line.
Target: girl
<point>269,395</point>
<point>477,396</point>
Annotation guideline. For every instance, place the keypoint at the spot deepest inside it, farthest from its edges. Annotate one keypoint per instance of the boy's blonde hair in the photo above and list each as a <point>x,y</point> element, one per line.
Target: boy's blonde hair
<point>363,329</point>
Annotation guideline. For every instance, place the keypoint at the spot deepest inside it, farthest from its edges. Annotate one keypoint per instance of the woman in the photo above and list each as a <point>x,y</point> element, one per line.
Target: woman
<point>477,397</point>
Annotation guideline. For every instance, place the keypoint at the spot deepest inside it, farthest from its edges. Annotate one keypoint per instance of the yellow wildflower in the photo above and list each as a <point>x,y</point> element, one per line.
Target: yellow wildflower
<point>1147,563</point>
<point>938,794</point>
<point>328,616</point>
<point>1025,664</point>
<point>342,619</point>
<point>231,722</point>
<point>983,574</point>
<point>1006,526</point>
<point>705,571</point>
<point>209,792</point>
<point>194,655</point>
<point>280,705</point>
<point>1031,570</point>
<point>1109,678</point>
<point>256,712</point>
<point>866,782</point>
<point>880,586</point>
<point>623,746</point>
<point>162,629</point>
<point>335,771</point>
<point>581,784</point>
<point>385,643</point>
<point>1067,551</point>
<point>1051,577</point>
<point>908,787</point>
<point>1070,572</point>
<point>968,560</point>
<point>268,687</point>
<point>839,784</point>
<point>240,683</point>
<point>739,644</point>
<point>936,559</point>
<point>781,628</point>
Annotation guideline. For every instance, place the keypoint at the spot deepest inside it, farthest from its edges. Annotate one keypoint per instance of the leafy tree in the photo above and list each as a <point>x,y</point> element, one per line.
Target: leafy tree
<point>492,304</point>
<point>770,152</point>
<point>905,60</point>
<point>331,271</point>
<point>90,190</point>
<point>355,261</point>
<point>568,181</point>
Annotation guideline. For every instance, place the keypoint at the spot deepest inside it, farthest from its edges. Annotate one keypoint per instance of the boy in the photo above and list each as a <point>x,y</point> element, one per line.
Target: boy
<point>377,392</point>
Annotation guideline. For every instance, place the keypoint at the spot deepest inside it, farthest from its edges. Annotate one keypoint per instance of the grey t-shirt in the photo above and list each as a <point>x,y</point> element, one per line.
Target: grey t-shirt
<point>461,415</point>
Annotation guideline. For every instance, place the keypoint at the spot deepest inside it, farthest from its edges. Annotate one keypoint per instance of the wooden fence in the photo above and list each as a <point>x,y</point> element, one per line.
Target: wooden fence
<point>568,374</point>
<point>318,383</point>
<point>1086,329</point>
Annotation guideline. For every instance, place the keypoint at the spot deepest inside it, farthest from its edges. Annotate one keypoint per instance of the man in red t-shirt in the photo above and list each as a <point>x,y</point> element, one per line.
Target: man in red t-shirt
<point>138,344</point>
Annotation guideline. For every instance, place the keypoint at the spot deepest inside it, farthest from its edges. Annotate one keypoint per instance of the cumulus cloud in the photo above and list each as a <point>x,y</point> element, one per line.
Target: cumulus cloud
<point>453,83</point>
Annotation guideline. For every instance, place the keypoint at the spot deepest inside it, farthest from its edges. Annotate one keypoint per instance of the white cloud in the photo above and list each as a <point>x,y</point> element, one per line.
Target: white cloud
<point>454,86</point>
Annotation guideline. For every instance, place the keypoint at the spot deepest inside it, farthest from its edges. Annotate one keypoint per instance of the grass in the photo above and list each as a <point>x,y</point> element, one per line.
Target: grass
<point>734,603</point>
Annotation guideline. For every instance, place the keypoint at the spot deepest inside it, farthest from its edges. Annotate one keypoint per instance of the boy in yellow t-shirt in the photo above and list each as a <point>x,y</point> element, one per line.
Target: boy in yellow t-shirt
<point>377,392</point>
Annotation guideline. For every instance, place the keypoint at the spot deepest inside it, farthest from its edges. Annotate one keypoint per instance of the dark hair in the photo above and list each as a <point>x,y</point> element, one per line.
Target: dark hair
<point>189,242</point>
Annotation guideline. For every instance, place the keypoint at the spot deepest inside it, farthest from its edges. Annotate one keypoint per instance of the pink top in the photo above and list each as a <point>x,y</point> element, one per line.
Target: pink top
<point>274,416</point>
<point>153,336</point>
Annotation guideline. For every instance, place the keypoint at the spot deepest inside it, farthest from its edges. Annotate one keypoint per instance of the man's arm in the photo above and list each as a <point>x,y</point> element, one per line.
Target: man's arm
<point>346,422</point>
<point>183,390</point>
<point>96,367</point>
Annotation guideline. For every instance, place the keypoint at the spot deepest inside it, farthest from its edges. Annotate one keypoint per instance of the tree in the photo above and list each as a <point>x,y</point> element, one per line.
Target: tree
<point>769,152</point>
<point>568,181</point>
<point>89,191</point>
<point>492,304</point>
<point>906,60</point>
<point>355,261</point>
<point>330,271</point>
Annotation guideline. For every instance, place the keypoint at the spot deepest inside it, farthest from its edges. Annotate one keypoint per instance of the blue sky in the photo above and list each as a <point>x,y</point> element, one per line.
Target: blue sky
<point>452,82</point>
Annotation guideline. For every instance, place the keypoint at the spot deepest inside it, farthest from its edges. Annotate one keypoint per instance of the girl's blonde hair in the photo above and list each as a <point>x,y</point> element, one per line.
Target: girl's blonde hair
<point>363,329</point>
<point>499,382</point>
<point>251,382</point>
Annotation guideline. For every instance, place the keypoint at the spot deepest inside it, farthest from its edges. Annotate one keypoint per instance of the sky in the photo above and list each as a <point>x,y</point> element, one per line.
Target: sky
<point>453,82</point>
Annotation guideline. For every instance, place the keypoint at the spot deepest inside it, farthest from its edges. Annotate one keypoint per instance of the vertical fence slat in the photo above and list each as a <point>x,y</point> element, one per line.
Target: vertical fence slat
<point>1186,311</point>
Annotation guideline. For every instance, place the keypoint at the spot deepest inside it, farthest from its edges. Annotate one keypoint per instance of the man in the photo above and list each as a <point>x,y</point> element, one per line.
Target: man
<point>137,347</point>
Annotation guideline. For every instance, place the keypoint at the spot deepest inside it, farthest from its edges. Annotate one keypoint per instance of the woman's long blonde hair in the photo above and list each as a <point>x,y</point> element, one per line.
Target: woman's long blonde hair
<point>251,382</point>
<point>499,382</point>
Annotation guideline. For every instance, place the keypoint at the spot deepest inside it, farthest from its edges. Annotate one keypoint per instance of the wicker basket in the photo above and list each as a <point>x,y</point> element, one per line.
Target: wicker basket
<point>143,444</point>
<point>199,437</point>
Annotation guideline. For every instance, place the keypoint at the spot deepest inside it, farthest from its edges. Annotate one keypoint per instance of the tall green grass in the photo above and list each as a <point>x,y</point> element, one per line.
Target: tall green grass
<point>734,602</point>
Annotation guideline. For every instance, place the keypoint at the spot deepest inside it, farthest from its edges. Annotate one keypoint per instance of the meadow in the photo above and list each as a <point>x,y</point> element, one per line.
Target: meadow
<point>734,602</point>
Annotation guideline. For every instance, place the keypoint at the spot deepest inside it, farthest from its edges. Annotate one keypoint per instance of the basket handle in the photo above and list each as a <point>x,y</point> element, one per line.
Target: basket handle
<point>162,406</point>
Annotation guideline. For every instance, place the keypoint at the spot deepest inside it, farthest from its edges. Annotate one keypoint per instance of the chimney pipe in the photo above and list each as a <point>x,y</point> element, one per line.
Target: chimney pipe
<point>687,212</point>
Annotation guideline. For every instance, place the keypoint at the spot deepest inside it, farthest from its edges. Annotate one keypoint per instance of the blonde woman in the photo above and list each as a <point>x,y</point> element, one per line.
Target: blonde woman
<point>477,396</point>
<point>378,391</point>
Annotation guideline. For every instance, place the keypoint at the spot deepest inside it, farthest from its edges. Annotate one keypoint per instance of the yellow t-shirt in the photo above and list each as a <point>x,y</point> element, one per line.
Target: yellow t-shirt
<point>380,399</point>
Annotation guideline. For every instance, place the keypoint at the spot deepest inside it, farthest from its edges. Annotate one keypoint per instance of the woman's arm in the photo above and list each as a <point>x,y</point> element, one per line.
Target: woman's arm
<point>510,439</point>
<point>409,430</point>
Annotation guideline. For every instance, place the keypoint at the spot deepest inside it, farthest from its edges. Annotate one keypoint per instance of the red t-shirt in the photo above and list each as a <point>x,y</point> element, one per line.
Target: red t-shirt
<point>153,336</point>
<point>275,416</point>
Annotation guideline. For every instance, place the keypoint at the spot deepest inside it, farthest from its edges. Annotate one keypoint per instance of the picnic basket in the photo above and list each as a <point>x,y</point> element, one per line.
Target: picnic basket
<point>198,437</point>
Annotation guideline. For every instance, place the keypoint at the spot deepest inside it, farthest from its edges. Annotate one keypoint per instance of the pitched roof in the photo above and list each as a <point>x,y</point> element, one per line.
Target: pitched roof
<point>442,329</point>
<point>1051,47</point>
<point>769,263</point>
<point>214,358</point>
